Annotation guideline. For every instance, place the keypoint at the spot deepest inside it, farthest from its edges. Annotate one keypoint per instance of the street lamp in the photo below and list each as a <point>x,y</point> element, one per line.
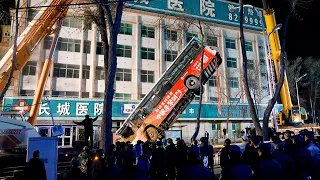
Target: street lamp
<point>297,80</point>
<point>276,28</point>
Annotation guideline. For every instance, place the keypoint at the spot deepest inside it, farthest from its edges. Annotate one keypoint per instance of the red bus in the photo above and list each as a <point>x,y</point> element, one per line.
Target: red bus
<point>172,93</point>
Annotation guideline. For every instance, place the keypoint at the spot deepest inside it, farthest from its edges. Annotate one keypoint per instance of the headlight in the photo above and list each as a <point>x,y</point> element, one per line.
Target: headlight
<point>96,158</point>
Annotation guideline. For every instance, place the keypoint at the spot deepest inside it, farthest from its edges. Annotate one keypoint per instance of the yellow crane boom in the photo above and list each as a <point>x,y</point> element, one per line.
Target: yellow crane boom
<point>39,28</point>
<point>290,115</point>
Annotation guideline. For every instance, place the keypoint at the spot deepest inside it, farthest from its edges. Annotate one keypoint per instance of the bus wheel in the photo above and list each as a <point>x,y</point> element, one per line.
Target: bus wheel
<point>152,133</point>
<point>192,83</point>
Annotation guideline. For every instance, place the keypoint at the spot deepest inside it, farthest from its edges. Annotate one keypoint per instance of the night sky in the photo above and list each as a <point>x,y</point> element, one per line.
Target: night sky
<point>302,37</point>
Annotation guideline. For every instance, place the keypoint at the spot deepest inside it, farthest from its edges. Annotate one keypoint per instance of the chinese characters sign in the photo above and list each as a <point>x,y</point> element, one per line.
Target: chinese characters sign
<point>215,11</point>
<point>77,108</point>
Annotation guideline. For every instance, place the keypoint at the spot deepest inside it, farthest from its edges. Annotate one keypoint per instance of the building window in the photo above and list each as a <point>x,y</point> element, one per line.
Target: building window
<point>87,46</point>
<point>213,99</point>
<point>231,62</point>
<point>234,99</point>
<point>248,46</point>
<point>99,49</point>
<point>170,55</point>
<point>250,64</point>
<point>141,96</point>
<point>147,76</point>
<point>123,74</point>
<point>216,130</point>
<point>197,98</point>
<point>66,71</point>
<point>30,68</point>
<point>147,31</point>
<point>147,53</point>
<point>85,94</point>
<point>98,95</point>
<point>47,42</point>
<point>124,51</point>
<point>233,82</point>
<point>71,45</point>
<point>190,36</point>
<point>122,96</point>
<point>31,14</point>
<point>213,81</point>
<point>99,73</point>
<point>263,75</point>
<point>26,92</point>
<point>125,29</point>
<point>85,72</point>
<point>212,41</point>
<point>170,35</point>
<point>230,43</point>
<point>73,22</point>
<point>71,94</point>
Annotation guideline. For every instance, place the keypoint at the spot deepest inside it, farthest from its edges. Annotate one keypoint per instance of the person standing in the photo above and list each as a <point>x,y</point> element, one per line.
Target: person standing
<point>206,134</point>
<point>88,129</point>
<point>35,168</point>
<point>224,132</point>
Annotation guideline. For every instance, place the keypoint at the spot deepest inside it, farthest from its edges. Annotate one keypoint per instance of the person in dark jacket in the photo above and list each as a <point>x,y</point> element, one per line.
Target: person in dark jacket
<point>194,168</point>
<point>35,168</point>
<point>171,151</point>
<point>281,157</point>
<point>158,162</point>
<point>75,172</point>
<point>206,153</point>
<point>224,152</point>
<point>301,157</point>
<point>267,168</point>
<point>250,154</point>
<point>235,169</point>
<point>112,172</point>
<point>129,171</point>
<point>88,129</point>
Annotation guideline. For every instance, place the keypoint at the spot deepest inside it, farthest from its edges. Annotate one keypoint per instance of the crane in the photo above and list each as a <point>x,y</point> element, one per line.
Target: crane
<point>39,28</point>
<point>290,115</point>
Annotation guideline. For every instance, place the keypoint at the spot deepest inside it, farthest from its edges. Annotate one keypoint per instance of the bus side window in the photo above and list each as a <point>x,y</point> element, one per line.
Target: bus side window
<point>154,101</point>
<point>164,89</point>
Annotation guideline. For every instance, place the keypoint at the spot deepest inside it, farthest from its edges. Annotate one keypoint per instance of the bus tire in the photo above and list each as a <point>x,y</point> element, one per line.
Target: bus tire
<point>192,83</point>
<point>151,133</point>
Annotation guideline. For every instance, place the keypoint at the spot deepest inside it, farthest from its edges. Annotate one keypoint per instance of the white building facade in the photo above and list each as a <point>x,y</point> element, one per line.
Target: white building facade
<point>150,38</point>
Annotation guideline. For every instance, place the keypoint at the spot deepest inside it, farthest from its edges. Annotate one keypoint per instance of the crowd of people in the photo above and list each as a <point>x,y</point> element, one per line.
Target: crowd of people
<point>162,160</point>
<point>287,156</point>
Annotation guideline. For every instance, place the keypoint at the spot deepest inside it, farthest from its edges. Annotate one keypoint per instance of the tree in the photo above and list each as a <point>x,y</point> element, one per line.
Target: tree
<point>107,17</point>
<point>312,82</point>
<point>255,118</point>
<point>294,70</point>
<point>281,72</point>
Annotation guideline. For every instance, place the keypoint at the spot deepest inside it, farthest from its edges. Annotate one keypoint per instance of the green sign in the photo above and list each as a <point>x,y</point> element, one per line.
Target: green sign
<point>78,108</point>
<point>214,11</point>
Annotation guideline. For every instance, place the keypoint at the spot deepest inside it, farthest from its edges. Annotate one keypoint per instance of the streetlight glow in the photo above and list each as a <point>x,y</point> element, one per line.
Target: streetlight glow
<point>276,28</point>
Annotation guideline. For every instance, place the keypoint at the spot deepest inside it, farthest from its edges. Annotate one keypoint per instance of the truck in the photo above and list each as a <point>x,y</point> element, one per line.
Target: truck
<point>292,116</point>
<point>15,133</point>
<point>172,93</point>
